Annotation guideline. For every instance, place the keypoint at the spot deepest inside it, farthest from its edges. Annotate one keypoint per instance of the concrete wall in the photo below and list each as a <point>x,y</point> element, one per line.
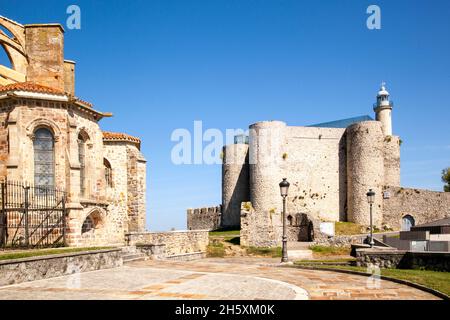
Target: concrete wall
<point>176,242</point>
<point>44,267</point>
<point>423,205</point>
<point>204,218</point>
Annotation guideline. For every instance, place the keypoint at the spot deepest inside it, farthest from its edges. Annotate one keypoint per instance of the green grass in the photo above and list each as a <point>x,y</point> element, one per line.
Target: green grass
<point>323,261</point>
<point>329,250</point>
<point>5,255</point>
<point>225,233</point>
<point>266,252</point>
<point>215,249</point>
<point>348,228</point>
<point>432,279</point>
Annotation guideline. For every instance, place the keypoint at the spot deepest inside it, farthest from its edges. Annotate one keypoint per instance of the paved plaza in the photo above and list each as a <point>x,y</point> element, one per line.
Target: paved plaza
<point>237,279</point>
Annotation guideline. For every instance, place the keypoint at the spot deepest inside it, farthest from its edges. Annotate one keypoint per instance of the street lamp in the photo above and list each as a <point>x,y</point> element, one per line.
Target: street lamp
<point>371,200</point>
<point>284,188</point>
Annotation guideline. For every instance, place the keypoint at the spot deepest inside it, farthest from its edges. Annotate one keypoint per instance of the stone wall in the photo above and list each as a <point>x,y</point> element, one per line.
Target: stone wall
<point>176,242</point>
<point>423,205</point>
<point>111,209</point>
<point>315,164</point>
<point>438,261</point>
<point>392,161</point>
<point>5,109</point>
<point>235,183</point>
<point>136,200</point>
<point>204,218</point>
<point>39,59</point>
<point>44,267</point>
<point>365,170</point>
<point>257,228</point>
<point>45,52</point>
<point>117,194</point>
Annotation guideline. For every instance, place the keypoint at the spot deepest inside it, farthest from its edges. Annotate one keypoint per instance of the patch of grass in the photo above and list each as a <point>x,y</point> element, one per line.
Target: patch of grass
<point>266,252</point>
<point>330,250</point>
<point>225,233</point>
<point>322,261</point>
<point>433,279</point>
<point>348,228</point>
<point>215,249</point>
<point>45,252</point>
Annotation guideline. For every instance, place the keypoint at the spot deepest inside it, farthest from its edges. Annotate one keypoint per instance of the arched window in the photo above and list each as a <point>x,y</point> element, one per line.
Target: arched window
<point>44,158</point>
<point>88,225</point>
<point>290,220</point>
<point>108,173</point>
<point>82,158</point>
<point>408,222</point>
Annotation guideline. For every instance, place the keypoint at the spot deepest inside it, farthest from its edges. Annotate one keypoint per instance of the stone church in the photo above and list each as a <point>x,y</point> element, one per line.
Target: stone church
<point>51,138</point>
<point>330,167</point>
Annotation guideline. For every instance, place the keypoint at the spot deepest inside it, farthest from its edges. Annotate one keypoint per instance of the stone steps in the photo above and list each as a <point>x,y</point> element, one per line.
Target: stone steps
<point>131,254</point>
<point>300,254</point>
<point>133,257</point>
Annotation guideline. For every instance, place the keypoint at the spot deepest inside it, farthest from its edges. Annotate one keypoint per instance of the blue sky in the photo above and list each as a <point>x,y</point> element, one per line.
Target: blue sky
<point>161,65</point>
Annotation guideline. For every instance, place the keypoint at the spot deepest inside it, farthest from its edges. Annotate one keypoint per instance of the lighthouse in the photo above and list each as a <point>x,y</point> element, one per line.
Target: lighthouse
<point>383,110</point>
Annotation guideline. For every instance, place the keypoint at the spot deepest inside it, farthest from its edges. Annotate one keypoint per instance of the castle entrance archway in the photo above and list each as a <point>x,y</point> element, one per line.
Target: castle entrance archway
<point>408,222</point>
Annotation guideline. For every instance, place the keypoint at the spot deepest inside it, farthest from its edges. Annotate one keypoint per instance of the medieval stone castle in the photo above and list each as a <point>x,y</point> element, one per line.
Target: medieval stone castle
<point>330,166</point>
<point>50,138</point>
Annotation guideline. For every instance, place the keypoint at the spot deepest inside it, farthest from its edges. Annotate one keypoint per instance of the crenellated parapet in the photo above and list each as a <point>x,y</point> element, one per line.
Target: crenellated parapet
<point>206,218</point>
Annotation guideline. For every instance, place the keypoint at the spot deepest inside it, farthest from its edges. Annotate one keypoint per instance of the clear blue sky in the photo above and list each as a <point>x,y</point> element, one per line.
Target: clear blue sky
<point>160,65</point>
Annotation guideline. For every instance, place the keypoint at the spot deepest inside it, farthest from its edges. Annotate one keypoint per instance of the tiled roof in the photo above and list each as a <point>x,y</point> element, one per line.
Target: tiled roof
<point>119,137</point>
<point>37,88</point>
<point>30,87</point>
<point>84,102</point>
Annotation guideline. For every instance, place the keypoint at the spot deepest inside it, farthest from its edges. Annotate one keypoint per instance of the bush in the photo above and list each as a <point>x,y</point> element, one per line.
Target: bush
<point>215,250</point>
<point>329,250</point>
<point>266,252</point>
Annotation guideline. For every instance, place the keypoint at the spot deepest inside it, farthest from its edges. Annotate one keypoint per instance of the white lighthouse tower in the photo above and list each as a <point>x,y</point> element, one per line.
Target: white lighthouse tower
<point>383,110</point>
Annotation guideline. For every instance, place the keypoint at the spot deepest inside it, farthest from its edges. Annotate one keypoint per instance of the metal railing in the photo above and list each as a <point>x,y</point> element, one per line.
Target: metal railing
<point>31,216</point>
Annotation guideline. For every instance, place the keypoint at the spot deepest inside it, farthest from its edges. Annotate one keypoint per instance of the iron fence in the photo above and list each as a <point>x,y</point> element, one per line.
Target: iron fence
<point>31,216</point>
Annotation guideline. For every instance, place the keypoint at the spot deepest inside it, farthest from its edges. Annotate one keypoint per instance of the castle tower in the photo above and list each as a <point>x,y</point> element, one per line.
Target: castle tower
<point>365,170</point>
<point>235,183</point>
<point>383,110</point>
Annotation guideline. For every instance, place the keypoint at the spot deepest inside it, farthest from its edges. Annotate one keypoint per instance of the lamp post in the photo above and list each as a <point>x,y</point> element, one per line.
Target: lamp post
<point>284,188</point>
<point>371,200</point>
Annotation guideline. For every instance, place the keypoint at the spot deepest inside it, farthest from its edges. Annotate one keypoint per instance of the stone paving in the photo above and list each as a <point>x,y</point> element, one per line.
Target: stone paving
<point>231,278</point>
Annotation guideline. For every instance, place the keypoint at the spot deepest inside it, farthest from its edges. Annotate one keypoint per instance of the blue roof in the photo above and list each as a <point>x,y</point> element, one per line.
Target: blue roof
<point>344,123</point>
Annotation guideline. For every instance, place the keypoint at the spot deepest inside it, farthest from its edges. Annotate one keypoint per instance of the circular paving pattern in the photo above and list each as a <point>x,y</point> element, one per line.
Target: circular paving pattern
<point>234,279</point>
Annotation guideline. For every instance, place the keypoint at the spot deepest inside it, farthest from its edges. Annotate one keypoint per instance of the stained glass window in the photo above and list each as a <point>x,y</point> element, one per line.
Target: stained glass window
<point>44,158</point>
